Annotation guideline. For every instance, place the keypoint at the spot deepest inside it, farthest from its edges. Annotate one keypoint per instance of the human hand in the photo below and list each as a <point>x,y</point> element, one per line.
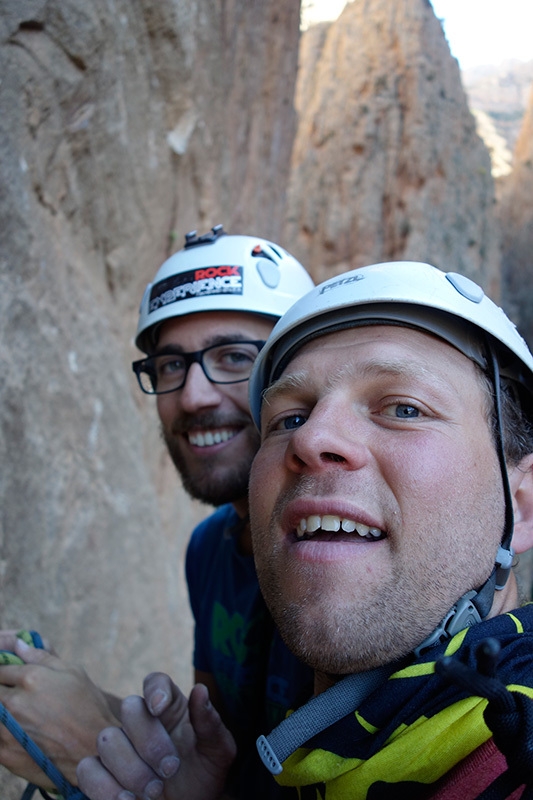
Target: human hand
<point>56,704</point>
<point>191,760</point>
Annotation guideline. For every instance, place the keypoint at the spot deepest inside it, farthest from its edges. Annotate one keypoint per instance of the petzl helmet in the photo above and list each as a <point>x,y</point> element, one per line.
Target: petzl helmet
<point>448,305</point>
<point>404,293</point>
<point>220,272</point>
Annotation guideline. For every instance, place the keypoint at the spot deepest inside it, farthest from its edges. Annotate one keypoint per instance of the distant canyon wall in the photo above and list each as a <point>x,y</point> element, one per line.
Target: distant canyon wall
<point>501,93</point>
<point>515,212</point>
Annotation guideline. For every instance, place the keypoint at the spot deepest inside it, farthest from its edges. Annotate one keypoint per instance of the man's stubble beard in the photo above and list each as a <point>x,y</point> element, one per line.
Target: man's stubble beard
<point>372,628</point>
<point>342,639</point>
<point>212,483</point>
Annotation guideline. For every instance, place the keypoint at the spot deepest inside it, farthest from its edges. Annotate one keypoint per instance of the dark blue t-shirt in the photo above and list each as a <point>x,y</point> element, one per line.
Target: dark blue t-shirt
<point>235,639</point>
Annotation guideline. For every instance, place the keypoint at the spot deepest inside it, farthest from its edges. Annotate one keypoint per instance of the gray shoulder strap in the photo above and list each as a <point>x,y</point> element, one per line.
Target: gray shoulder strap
<point>318,714</point>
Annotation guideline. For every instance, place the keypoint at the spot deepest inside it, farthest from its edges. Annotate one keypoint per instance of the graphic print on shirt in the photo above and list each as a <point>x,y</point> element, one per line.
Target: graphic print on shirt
<point>240,653</point>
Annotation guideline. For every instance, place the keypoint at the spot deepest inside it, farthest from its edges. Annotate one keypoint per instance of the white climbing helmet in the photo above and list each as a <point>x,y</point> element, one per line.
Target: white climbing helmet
<point>219,272</point>
<point>405,293</point>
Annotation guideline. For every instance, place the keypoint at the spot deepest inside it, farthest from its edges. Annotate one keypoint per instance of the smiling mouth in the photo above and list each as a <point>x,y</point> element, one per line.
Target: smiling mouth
<point>315,525</point>
<point>207,438</point>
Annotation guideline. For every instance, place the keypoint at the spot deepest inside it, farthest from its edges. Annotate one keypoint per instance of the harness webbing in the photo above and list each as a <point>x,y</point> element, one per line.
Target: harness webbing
<point>319,713</point>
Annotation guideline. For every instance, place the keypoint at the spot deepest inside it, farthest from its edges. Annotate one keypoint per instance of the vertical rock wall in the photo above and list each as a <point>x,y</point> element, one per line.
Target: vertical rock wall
<point>122,126</point>
<point>387,163</point>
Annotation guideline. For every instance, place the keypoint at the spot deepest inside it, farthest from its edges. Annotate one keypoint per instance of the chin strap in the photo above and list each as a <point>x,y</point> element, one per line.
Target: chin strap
<point>475,605</point>
<point>504,559</point>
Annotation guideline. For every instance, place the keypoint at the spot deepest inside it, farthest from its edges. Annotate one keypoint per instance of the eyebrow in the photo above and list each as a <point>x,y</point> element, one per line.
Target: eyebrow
<point>286,385</point>
<point>410,370</point>
<point>302,380</point>
<point>401,369</point>
<point>212,341</point>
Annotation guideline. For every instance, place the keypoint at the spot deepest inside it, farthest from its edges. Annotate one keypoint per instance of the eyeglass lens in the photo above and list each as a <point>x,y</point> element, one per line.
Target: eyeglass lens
<point>225,363</point>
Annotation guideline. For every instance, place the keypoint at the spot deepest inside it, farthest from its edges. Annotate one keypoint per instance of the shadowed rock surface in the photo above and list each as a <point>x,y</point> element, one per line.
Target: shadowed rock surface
<point>122,126</point>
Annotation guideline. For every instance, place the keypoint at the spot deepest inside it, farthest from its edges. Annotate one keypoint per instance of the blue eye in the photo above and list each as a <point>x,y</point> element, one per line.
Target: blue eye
<point>404,411</point>
<point>294,421</point>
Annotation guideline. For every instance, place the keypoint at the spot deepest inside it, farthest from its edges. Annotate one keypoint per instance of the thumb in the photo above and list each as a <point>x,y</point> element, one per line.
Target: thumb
<point>213,738</point>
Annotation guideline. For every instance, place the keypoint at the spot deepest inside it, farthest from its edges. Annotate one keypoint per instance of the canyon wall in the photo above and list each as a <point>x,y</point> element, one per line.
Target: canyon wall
<point>387,163</point>
<point>122,126</point>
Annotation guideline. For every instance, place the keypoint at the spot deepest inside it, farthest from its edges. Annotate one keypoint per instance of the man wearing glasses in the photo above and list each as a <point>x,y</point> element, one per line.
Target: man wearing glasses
<point>202,323</point>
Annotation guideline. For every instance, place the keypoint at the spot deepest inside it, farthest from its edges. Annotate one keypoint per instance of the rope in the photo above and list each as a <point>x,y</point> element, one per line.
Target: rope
<point>509,716</point>
<point>65,788</point>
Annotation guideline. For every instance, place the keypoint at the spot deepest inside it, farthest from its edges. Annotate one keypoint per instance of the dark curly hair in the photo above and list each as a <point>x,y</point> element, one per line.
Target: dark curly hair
<point>517,419</point>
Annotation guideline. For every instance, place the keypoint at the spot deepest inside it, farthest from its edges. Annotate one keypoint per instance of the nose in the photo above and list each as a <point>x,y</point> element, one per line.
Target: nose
<point>331,438</point>
<point>198,391</point>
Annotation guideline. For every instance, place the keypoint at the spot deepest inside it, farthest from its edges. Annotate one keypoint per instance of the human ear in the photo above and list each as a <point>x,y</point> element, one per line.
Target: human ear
<point>521,483</point>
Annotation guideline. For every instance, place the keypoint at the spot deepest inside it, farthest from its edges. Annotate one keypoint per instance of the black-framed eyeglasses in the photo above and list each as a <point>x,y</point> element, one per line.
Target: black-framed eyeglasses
<point>165,372</point>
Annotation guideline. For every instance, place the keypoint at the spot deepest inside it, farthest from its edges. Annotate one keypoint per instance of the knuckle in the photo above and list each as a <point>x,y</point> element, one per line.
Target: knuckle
<point>30,678</point>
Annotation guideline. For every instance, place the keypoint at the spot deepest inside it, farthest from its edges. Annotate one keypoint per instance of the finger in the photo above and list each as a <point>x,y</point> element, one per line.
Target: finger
<point>164,699</point>
<point>119,757</point>
<point>14,655</point>
<point>8,642</point>
<point>13,674</point>
<point>149,737</point>
<point>35,655</point>
<point>213,738</point>
<point>9,639</point>
<point>10,675</point>
<point>97,783</point>
<point>158,692</point>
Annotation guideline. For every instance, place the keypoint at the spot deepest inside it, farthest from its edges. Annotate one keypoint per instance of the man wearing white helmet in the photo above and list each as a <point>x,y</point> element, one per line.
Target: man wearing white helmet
<point>202,322</point>
<point>391,491</point>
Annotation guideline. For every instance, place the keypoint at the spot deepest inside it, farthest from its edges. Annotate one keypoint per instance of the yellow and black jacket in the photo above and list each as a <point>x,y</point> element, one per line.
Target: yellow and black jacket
<point>418,736</point>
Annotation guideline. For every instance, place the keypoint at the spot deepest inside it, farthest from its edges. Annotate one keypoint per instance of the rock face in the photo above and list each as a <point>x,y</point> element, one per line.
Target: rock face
<point>121,125</point>
<point>387,163</point>
<point>516,220</point>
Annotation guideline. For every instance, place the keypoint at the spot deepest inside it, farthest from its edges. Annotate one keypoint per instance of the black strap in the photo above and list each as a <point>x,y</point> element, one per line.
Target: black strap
<point>509,715</point>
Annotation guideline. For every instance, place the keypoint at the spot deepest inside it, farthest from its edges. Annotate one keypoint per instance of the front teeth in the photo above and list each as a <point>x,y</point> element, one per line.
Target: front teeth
<point>333,523</point>
<point>210,437</point>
